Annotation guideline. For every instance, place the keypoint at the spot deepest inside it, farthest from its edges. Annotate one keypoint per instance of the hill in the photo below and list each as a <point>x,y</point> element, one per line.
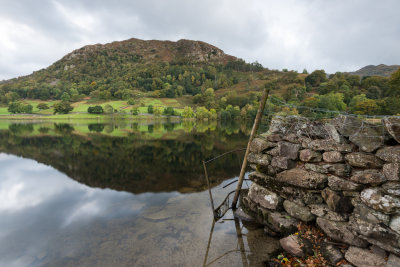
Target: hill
<point>125,69</point>
<point>378,70</point>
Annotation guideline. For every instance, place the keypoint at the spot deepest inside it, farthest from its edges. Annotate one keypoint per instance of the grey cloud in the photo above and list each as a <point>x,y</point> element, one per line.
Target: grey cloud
<point>334,35</point>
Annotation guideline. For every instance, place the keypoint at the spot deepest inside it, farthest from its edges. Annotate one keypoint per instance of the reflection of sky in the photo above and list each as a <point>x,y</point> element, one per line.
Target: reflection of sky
<point>48,219</point>
<point>37,201</point>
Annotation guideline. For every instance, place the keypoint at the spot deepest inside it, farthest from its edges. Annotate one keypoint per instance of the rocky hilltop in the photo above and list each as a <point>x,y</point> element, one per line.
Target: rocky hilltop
<point>341,176</point>
<point>378,70</point>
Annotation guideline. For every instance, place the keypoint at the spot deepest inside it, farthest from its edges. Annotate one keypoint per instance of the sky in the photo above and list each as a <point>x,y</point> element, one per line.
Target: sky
<point>335,35</point>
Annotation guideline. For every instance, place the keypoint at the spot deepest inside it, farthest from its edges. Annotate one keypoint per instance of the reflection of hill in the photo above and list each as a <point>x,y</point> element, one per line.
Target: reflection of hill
<point>132,164</point>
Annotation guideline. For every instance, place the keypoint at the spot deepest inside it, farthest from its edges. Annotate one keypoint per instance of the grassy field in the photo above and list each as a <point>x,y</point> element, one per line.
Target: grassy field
<point>80,109</point>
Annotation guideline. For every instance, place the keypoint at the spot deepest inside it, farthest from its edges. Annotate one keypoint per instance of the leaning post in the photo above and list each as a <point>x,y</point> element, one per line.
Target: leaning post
<point>253,132</point>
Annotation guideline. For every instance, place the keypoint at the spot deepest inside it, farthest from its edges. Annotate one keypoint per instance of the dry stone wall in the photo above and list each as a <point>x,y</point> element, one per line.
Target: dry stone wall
<point>341,174</point>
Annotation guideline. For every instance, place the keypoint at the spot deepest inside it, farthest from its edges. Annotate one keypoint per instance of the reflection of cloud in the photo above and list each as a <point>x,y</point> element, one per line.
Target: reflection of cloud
<point>37,200</point>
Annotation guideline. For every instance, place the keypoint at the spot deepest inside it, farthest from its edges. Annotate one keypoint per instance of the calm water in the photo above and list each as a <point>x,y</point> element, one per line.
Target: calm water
<point>121,195</point>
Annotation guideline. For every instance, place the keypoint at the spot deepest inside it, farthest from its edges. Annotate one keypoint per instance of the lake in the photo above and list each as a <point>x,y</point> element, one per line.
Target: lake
<point>122,194</point>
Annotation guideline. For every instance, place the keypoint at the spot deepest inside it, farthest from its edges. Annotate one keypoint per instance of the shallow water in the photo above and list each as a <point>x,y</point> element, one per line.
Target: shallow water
<point>71,198</point>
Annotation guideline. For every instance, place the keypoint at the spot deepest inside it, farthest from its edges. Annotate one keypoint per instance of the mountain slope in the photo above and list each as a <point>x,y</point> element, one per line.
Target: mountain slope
<point>124,68</point>
<point>378,70</point>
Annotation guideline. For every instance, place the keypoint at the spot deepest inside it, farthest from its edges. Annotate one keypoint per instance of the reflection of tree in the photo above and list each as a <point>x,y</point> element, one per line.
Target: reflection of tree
<point>20,128</point>
<point>63,128</point>
<point>96,127</point>
<point>131,163</point>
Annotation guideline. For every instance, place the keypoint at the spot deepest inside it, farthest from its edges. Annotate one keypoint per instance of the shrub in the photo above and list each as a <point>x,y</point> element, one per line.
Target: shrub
<point>96,110</point>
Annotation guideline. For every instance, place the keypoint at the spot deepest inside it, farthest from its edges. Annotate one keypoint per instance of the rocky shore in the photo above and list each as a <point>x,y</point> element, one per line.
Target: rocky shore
<point>341,175</point>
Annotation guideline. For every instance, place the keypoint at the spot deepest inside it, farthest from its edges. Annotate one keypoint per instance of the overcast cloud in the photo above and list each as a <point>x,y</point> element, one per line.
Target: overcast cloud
<point>312,34</point>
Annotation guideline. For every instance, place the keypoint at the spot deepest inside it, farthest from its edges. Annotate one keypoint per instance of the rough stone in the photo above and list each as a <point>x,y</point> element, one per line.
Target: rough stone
<point>289,150</point>
<point>317,168</point>
<point>258,145</point>
<point>364,258</point>
<point>368,138</point>
<point>382,245</point>
<point>340,169</point>
<point>331,253</point>
<point>368,177</point>
<point>392,171</point>
<point>259,159</point>
<point>347,125</point>
<point>340,184</point>
<point>264,197</point>
<point>327,145</point>
<point>338,231</point>
<point>392,188</point>
<point>363,160</point>
<point>308,155</point>
<point>298,211</point>
<point>282,222</point>
<point>393,261</point>
<point>283,163</point>
<point>242,215</point>
<point>296,246</point>
<point>379,232</point>
<point>389,154</point>
<point>292,138</point>
<point>392,125</point>
<point>395,223</point>
<point>332,156</point>
<point>322,210</point>
<point>336,201</point>
<point>303,178</point>
<point>274,137</point>
<point>333,133</point>
<point>378,200</point>
<point>273,152</point>
<point>365,213</point>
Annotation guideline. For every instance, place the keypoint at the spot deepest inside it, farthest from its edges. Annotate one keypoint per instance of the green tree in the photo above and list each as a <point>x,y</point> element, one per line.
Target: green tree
<point>108,109</point>
<point>135,111</point>
<point>95,110</point>
<point>62,107</point>
<point>157,111</point>
<point>28,109</point>
<point>316,78</point>
<point>188,112</point>
<point>42,106</point>
<point>15,107</point>
<point>150,109</point>
<point>169,111</point>
<point>202,113</point>
<point>65,97</point>
<point>366,107</point>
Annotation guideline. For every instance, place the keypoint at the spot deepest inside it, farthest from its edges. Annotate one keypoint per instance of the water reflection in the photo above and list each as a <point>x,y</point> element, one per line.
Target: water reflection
<point>120,195</point>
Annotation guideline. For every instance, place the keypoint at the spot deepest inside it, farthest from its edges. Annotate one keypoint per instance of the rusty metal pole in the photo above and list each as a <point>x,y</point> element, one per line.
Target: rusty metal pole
<point>252,134</point>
